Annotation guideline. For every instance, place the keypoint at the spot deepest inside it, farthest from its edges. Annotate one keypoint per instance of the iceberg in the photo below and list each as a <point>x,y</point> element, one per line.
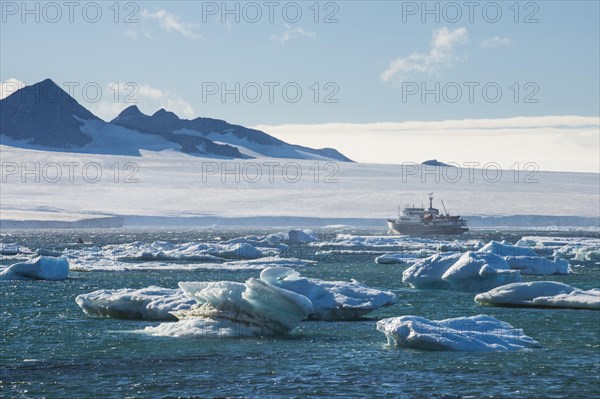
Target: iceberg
<point>392,259</point>
<point>538,265</point>
<point>478,333</point>
<point>151,303</point>
<point>550,294</point>
<point>40,268</point>
<point>580,249</point>
<point>231,309</point>
<point>48,252</point>
<point>477,271</point>
<point>471,271</point>
<point>428,272</point>
<point>12,249</point>
<point>332,300</point>
<point>301,236</point>
<point>503,249</point>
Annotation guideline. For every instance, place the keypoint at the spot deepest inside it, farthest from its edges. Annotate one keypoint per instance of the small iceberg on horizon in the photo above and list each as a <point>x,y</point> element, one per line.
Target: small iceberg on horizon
<point>479,333</point>
<point>547,294</point>
<point>40,268</point>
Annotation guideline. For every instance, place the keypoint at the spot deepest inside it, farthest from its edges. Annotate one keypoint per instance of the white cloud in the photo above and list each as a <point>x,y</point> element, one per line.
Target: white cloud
<point>148,98</point>
<point>441,55</point>
<point>167,21</point>
<point>496,41</point>
<point>9,86</point>
<point>292,33</point>
<point>564,142</point>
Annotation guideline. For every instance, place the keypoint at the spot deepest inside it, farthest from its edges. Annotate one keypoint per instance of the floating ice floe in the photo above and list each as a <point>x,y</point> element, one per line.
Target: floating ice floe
<point>471,271</point>
<point>392,259</point>
<point>12,249</point>
<point>40,268</point>
<point>576,248</point>
<point>230,309</point>
<point>189,251</point>
<point>332,300</point>
<point>428,272</point>
<point>109,265</point>
<point>538,265</point>
<point>48,252</point>
<point>301,236</point>
<point>549,294</point>
<point>478,333</point>
<point>503,249</point>
<point>479,271</point>
<point>151,303</point>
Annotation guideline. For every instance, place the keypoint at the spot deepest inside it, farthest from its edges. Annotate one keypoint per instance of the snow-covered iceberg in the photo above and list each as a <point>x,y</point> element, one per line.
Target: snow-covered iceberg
<point>301,236</point>
<point>549,294</point>
<point>392,259</point>
<point>580,249</point>
<point>478,333</point>
<point>332,300</point>
<point>40,268</point>
<point>226,308</point>
<point>428,272</point>
<point>11,249</point>
<point>151,303</point>
<point>471,271</point>
<point>538,265</point>
<point>503,249</point>
<point>477,271</point>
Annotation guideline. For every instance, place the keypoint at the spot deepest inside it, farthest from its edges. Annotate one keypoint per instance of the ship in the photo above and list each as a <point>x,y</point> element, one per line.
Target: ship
<point>421,221</point>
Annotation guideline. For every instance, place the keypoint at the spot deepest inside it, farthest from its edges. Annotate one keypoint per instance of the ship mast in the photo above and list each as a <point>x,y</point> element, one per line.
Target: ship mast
<point>445,211</point>
<point>430,200</point>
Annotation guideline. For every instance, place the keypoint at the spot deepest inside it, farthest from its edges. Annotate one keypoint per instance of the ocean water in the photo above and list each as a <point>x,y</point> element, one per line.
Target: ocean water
<point>50,348</point>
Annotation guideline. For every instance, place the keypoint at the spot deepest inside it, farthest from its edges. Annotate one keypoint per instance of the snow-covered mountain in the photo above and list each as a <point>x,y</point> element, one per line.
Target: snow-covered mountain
<point>44,116</point>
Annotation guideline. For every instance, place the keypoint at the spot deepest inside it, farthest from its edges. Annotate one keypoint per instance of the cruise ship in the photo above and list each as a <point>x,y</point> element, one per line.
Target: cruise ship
<point>421,221</point>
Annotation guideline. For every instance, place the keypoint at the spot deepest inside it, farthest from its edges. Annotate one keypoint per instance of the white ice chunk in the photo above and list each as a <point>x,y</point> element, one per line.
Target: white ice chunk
<point>478,333</point>
<point>202,327</point>
<point>428,272</point>
<point>542,294</point>
<point>251,308</point>
<point>392,259</point>
<point>503,249</point>
<point>332,300</point>
<point>538,265</point>
<point>302,236</point>
<point>40,268</point>
<point>48,252</point>
<point>151,303</point>
<point>479,271</point>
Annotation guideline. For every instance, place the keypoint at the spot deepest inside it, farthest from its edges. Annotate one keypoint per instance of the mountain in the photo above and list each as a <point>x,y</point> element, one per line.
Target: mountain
<point>250,142</point>
<point>435,162</point>
<point>44,115</point>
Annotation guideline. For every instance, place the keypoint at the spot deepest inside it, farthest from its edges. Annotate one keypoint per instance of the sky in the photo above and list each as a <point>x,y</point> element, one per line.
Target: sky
<point>331,74</point>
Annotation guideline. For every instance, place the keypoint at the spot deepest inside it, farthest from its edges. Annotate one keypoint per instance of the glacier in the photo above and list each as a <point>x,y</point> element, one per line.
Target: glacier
<point>40,268</point>
<point>550,294</point>
<point>479,333</point>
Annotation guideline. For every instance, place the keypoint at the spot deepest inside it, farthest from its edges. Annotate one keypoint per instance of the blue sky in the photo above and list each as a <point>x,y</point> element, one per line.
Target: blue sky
<point>367,60</point>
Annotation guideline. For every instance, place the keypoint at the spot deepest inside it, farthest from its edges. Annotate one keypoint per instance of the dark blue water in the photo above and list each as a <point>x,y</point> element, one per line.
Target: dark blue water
<point>50,348</point>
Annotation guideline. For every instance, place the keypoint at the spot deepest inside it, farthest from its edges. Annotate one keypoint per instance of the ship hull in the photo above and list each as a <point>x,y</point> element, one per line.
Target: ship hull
<point>425,228</point>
